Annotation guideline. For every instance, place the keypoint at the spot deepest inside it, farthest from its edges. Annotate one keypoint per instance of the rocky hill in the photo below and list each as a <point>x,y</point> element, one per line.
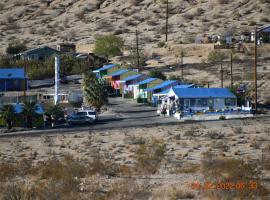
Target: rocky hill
<point>38,22</point>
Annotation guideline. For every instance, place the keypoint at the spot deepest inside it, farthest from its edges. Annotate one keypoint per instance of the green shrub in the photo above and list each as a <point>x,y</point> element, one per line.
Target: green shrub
<point>222,117</point>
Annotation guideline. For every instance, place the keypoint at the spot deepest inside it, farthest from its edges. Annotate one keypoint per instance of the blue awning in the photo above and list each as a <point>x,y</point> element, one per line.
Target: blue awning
<point>203,93</point>
<point>105,67</point>
<point>160,86</point>
<point>149,80</point>
<point>132,77</point>
<point>117,73</point>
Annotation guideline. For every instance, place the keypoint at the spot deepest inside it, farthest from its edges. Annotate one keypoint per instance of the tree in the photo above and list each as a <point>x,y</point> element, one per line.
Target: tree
<point>94,90</point>
<point>157,74</point>
<point>8,114</point>
<point>108,46</point>
<point>15,47</point>
<point>29,113</point>
<point>56,111</point>
<point>241,94</point>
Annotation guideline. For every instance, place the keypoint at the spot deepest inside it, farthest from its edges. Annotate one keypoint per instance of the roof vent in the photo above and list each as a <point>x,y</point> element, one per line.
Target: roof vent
<point>9,75</point>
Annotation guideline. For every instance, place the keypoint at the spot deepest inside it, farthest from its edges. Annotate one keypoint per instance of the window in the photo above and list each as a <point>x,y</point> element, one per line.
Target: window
<point>91,113</point>
<point>82,113</point>
<point>230,102</point>
<point>202,102</point>
<point>192,102</point>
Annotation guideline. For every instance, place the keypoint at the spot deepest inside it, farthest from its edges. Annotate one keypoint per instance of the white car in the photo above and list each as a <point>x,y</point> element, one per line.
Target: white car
<point>83,116</point>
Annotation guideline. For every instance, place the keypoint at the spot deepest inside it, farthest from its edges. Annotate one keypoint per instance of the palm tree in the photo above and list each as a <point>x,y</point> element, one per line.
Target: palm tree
<point>29,113</point>
<point>95,93</point>
<point>8,114</point>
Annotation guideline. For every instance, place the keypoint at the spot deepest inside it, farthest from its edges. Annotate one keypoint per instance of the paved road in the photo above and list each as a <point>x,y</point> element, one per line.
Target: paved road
<point>121,113</point>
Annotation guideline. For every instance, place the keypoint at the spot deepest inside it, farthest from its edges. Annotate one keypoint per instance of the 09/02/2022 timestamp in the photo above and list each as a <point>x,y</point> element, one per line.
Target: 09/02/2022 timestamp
<point>240,185</point>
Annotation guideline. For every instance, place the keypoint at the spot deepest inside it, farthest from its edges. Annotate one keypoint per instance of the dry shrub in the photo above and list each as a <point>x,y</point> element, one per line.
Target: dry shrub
<point>15,191</point>
<point>266,158</point>
<point>101,165</point>
<point>214,135</point>
<point>2,6</point>
<point>150,155</point>
<point>135,2</point>
<point>126,190</point>
<point>7,171</point>
<point>232,171</point>
<point>193,132</point>
<point>180,194</point>
<point>10,171</point>
<point>186,169</point>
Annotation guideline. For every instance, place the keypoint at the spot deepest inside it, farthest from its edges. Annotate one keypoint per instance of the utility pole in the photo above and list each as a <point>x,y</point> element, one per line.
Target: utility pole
<point>255,68</point>
<point>231,69</point>
<point>221,74</point>
<point>24,80</point>
<point>137,49</point>
<point>182,65</point>
<point>167,19</point>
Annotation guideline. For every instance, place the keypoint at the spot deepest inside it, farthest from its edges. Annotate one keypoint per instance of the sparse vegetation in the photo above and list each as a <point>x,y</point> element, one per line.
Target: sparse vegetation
<point>157,74</point>
<point>150,155</point>
<point>244,176</point>
<point>16,46</point>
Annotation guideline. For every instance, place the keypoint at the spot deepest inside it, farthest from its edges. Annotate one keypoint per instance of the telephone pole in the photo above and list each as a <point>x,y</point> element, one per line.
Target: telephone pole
<point>167,19</point>
<point>24,80</point>
<point>255,68</point>
<point>182,65</point>
<point>221,74</point>
<point>231,69</point>
<point>137,49</point>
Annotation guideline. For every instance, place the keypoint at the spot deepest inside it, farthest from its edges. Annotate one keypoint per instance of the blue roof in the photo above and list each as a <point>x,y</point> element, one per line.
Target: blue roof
<point>11,73</point>
<point>105,67</point>
<point>177,86</point>
<point>203,92</point>
<point>149,80</point>
<point>132,77</point>
<point>160,86</point>
<point>184,86</point>
<point>118,73</point>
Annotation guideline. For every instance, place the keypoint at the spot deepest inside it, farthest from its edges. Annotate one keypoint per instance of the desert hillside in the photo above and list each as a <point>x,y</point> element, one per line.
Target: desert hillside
<point>80,21</point>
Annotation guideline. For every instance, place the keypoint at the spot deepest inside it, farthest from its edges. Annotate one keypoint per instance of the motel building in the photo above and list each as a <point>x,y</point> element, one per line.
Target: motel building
<point>189,101</point>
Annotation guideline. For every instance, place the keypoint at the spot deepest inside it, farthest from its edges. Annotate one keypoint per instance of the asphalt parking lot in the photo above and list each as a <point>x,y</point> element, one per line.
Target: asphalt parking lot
<point>126,112</point>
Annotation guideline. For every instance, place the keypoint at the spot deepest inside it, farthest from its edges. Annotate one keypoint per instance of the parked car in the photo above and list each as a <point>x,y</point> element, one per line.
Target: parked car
<point>82,117</point>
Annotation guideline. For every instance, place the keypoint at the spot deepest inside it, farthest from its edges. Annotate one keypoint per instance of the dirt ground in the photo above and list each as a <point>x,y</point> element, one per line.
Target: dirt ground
<point>181,164</point>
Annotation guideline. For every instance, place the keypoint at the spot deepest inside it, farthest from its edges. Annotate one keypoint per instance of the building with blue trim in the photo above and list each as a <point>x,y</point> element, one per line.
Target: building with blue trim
<point>128,84</point>
<point>199,99</point>
<point>159,88</point>
<point>140,87</point>
<point>105,70</point>
<point>13,79</point>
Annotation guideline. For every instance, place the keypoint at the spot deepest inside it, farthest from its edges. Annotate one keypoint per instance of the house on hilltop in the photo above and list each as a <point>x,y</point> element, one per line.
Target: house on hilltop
<point>39,54</point>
